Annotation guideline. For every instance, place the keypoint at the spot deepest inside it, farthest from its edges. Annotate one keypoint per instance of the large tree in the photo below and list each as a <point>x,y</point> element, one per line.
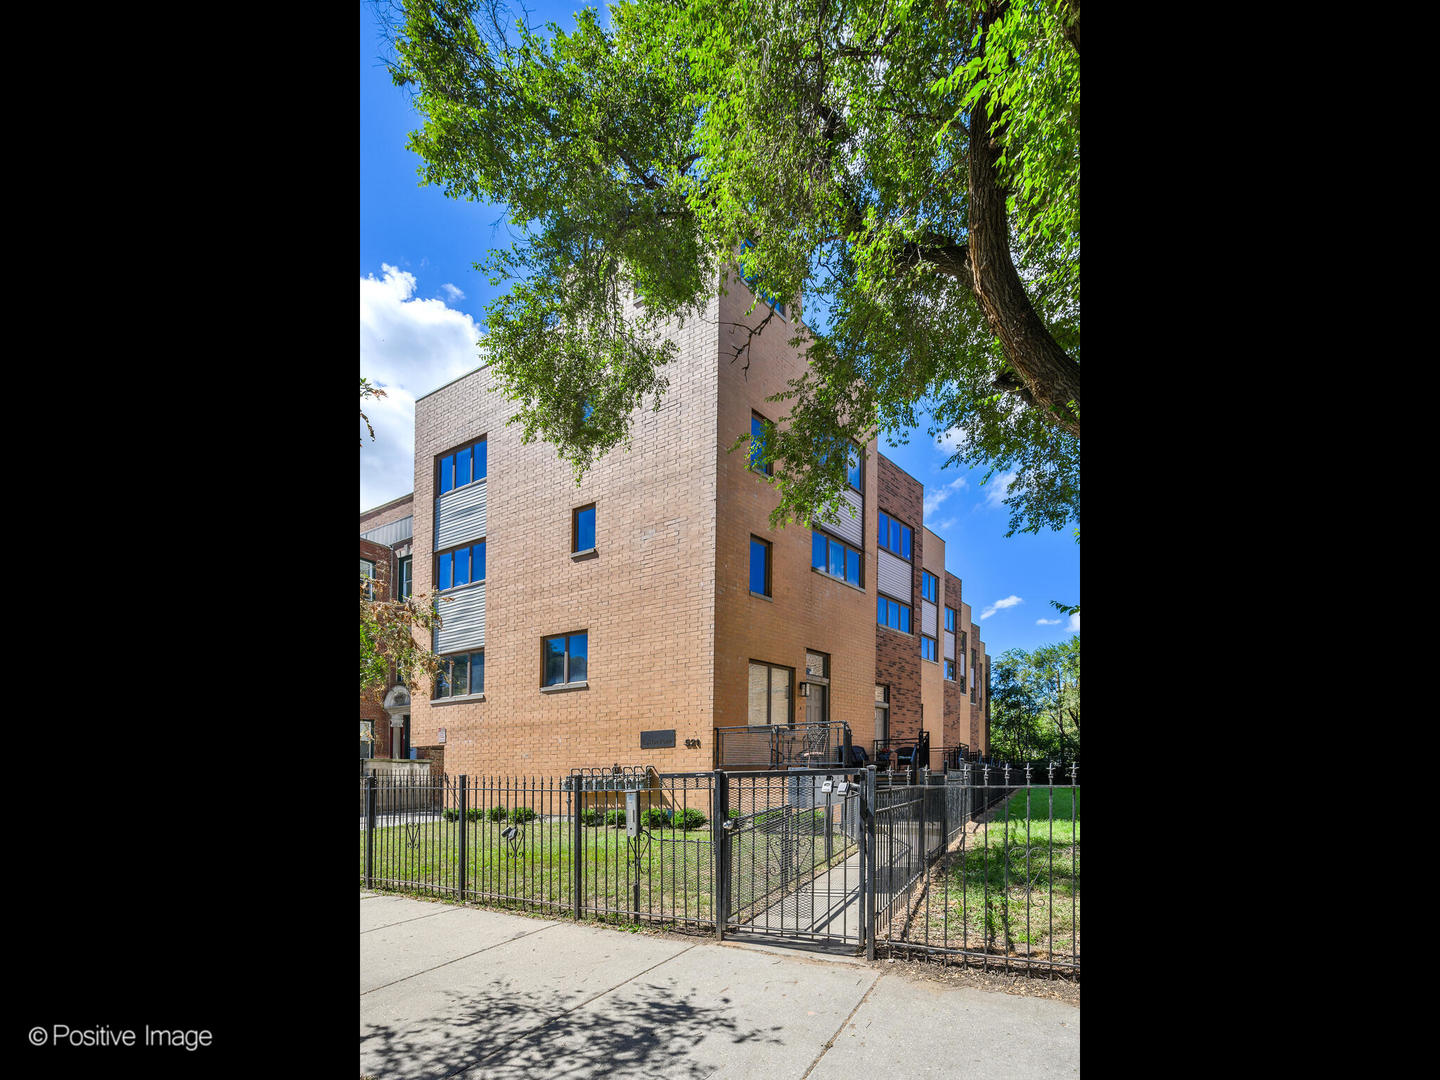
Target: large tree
<point>1035,703</point>
<point>908,170</point>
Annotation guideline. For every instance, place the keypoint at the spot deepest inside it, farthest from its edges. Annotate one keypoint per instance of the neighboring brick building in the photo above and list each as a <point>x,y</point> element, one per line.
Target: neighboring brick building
<point>386,555</point>
<point>624,619</point>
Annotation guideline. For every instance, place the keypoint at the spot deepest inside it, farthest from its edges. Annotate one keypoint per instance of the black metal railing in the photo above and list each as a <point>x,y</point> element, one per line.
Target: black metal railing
<point>782,746</point>
<point>977,864</point>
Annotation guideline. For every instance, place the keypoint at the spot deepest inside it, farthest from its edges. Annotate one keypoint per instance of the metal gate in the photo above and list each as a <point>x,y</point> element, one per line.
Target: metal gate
<point>790,855</point>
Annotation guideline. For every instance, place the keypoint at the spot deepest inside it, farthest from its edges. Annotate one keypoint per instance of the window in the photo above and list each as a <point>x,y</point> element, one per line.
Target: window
<point>817,665</point>
<point>950,670</point>
<point>951,619</point>
<point>461,674</point>
<point>367,738</point>
<point>960,652</point>
<point>882,712</point>
<point>407,577</point>
<point>892,614</point>
<point>759,566</point>
<point>367,570</point>
<point>460,566</point>
<point>854,473</point>
<point>582,529</point>
<point>972,681</point>
<point>929,586</point>
<point>893,536</point>
<point>758,426</point>
<point>833,557</point>
<point>928,651</point>
<point>769,693</point>
<point>564,659</point>
<point>465,465</point>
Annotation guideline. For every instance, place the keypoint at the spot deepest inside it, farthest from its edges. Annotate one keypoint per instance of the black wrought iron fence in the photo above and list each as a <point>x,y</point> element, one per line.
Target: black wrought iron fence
<point>977,864</point>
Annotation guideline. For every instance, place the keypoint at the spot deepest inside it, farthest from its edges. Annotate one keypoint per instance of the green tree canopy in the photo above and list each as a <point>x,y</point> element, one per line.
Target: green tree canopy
<point>909,170</point>
<point>1035,703</point>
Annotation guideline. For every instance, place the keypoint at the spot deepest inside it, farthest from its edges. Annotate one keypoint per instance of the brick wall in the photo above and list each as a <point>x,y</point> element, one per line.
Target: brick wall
<point>807,609</point>
<point>957,719</point>
<point>897,655</point>
<point>646,598</point>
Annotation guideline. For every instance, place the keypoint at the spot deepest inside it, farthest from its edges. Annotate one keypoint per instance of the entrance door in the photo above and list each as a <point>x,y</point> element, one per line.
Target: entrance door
<point>815,704</point>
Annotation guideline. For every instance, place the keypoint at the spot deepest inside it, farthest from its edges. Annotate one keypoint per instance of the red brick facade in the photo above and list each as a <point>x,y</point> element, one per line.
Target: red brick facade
<point>897,655</point>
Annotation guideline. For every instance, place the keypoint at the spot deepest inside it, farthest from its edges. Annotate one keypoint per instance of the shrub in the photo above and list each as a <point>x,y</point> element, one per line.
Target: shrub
<point>496,813</point>
<point>521,814</point>
<point>657,817</point>
<point>474,813</point>
<point>615,817</point>
<point>690,819</point>
<point>451,814</point>
<point>591,817</point>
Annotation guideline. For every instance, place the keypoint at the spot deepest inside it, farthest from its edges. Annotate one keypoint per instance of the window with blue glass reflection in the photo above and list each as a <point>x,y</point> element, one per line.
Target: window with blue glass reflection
<point>584,538</point>
<point>833,557</point>
<point>853,474</point>
<point>460,566</point>
<point>460,467</point>
<point>892,614</point>
<point>759,566</point>
<point>757,444</point>
<point>893,536</point>
<point>564,659</point>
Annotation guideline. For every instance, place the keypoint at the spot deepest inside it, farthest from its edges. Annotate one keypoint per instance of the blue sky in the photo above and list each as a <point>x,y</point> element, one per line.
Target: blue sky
<point>422,309</point>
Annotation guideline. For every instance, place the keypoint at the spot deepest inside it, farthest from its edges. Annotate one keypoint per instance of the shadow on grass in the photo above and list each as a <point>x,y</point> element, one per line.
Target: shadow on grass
<point>500,1031</point>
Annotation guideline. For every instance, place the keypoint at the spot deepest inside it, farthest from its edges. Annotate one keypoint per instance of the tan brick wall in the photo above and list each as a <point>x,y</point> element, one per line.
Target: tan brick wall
<point>932,675</point>
<point>957,719</point>
<point>897,655</point>
<point>807,609</point>
<point>646,599</point>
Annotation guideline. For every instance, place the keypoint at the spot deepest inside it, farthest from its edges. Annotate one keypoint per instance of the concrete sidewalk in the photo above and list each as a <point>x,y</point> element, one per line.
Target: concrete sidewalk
<point>458,992</point>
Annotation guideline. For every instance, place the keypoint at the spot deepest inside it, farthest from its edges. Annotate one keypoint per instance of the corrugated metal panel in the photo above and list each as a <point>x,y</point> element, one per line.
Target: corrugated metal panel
<point>848,528</point>
<point>949,645</point>
<point>460,515</point>
<point>392,534</point>
<point>463,620</point>
<point>894,577</point>
<point>927,618</point>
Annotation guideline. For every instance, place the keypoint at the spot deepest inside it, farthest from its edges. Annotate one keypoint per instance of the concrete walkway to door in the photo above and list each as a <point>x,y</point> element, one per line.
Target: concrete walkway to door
<point>450,992</point>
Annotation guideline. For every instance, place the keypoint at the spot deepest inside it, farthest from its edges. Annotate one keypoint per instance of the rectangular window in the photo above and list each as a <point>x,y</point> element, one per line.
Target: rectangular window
<point>929,586</point>
<point>836,558</point>
<point>893,614</point>
<point>461,674</point>
<point>854,474</point>
<point>950,670</point>
<point>407,577</point>
<point>769,694</point>
<point>367,571</point>
<point>928,650</point>
<point>758,424</point>
<point>582,529</point>
<point>753,282</point>
<point>465,465</point>
<point>882,712</point>
<point>960,654</point>
<point>565,659</point>
<point>759,566</point>
<point>972,681</point>
<point>460,566</point>
<point>367,738</point>
<point>893,536</point>
<point>951,619</point>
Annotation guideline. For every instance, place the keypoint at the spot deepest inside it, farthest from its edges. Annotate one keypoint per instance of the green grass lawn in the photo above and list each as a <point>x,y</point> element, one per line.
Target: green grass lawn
<point>674,875</point>
<point>1015,887</point>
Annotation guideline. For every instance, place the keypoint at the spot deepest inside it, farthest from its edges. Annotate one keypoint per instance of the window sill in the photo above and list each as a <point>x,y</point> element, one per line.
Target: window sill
<point>454,589</point>
<point>762,596</point>
<point>588,553</point>
<point>457,699</point>
<point>902,633</point>
<point>564,686</point>
<point>831,577</point>
<point>929,661</point>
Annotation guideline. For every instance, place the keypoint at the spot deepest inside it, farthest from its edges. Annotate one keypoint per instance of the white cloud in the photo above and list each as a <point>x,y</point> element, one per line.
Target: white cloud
<point>939,495</point>
<point>1074,626</point>
<point>1048,622</point>
<point>996,489</point>
<point>944,526</point>
<point>1009,601</point>
<point>452,292</point>
<point>948,442</point>
<point>409,347</point>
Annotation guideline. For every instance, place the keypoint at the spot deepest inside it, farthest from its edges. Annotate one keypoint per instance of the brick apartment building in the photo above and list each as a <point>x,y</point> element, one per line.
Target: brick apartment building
<point>624,619</point>
<point>386,555</point>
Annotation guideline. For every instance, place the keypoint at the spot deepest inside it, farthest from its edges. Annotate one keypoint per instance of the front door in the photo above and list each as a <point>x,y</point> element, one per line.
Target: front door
<point>815,704</point>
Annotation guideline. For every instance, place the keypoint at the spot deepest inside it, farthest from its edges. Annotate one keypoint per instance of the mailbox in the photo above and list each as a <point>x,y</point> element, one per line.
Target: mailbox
<point>632,813</point>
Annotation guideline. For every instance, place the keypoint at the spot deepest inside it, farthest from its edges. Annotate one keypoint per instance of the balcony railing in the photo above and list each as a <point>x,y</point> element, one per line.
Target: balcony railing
<point>782,746</point>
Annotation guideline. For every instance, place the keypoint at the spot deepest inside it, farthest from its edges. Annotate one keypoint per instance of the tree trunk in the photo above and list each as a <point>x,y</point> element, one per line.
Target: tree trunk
<point>1050,376</point>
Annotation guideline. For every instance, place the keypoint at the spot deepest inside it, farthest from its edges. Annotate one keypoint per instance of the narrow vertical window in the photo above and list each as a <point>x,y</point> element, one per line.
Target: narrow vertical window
<point>757,445</point>
<point>583,530</point>
<point>760,566</point>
